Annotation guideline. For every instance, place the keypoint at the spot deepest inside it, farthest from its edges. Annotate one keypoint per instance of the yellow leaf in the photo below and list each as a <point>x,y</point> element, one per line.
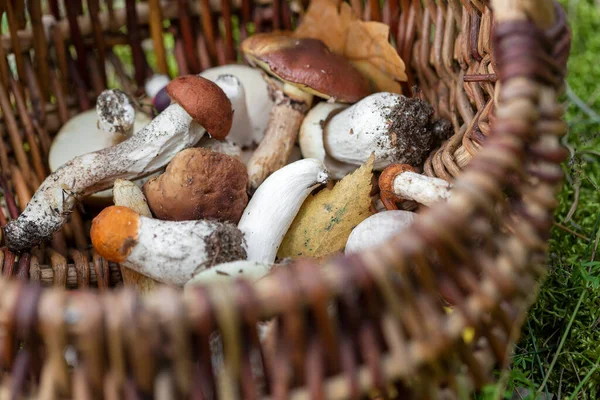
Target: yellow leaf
<point>325,221</point>
<point>365,44</point>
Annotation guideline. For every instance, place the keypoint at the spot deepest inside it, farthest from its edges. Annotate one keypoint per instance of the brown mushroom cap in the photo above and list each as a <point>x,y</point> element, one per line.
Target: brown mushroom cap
<point>199,184</point>
<point>308,64</point>
<point>205,102</point>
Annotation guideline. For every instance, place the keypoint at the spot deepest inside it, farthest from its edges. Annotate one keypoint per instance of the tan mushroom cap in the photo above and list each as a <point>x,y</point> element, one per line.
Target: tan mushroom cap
<point>199,184</point>
<point>308,64</point>
<point>205,102</point>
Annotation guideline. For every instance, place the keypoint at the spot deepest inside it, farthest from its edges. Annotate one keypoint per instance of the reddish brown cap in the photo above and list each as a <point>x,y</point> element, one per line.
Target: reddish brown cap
<point>308,64</point>
<point>205,102</point>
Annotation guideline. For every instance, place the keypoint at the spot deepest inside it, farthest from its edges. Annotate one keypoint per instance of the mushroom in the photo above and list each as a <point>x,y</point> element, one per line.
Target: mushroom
<point>113,121</point>
<point>253,101</point>
<point>168,251</point>
<point>128,194</point>
<point>243,132</point>
<point>377,229</point>
<point>116,113</point>
<point>199,184</point>
<point>275,204</point>
<point>311,138</point>
<point>143,153</point>
<point>303,68</point>
<point>251,270</point>
<point>397,129</point>
<point>156,89</point>
<point>400,182</point>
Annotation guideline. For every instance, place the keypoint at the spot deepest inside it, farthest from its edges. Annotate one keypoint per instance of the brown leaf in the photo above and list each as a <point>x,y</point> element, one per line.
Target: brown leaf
<point>365,44</point>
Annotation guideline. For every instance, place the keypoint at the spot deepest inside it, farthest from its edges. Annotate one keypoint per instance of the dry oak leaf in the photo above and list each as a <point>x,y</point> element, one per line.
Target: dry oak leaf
<point>365,44</point>
<point>325,221</point>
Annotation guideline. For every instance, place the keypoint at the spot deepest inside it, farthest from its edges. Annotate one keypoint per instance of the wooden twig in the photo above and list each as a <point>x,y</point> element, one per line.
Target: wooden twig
<point>571,231</point>
<point>480,78</point>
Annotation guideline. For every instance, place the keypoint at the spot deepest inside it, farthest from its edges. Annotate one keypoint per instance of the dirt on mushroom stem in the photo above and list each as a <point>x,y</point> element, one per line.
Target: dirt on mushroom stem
<point>414,131</point>
<point>225,244</point>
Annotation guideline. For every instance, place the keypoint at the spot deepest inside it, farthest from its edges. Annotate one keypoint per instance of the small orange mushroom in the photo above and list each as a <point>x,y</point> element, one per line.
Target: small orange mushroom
<point>400,182</point>
<point>386,184</point>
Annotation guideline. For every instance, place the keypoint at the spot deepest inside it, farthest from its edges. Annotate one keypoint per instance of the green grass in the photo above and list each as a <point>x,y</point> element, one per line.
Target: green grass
<point>559,352</point>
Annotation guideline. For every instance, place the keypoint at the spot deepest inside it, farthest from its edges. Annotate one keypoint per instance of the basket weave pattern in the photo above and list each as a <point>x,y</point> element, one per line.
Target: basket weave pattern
<point>368,321</point>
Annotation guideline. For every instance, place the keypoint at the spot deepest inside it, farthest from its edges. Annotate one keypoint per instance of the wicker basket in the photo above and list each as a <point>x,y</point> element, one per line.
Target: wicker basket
<point>495,75</point>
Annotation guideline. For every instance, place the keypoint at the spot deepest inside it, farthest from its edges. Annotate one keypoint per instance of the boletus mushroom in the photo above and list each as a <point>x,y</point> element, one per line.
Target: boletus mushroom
<point>301,68</point>
<point>395,128</point>
<point>113,120</point>
<point>275,204</point>
<point>168,251</point>
<point>400,182</point>
<point>199,184</point>
<point>196,99</point>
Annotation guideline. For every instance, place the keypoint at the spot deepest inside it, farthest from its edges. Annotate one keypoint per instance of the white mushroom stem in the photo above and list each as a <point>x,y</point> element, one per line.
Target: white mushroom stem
<point>420,188</point>
<point>167,251</point>
<point>116,112</point>
<point>393,127</point>
<point>275,204</point>
<point>291,105</point>
<point>241,129</point>
<point>311,138</point>
<point>174,251</point>
<point>143,153</point>
<point>250,270</point>
<point>377,229</point>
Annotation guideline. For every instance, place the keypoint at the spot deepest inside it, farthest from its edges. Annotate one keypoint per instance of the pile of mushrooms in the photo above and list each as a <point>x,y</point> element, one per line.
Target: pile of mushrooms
<point>191,208</point>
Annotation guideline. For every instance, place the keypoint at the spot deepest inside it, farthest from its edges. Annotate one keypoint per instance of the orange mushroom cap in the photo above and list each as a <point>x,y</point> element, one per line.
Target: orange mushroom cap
<point>115,232</point>
<point>386,184</point>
